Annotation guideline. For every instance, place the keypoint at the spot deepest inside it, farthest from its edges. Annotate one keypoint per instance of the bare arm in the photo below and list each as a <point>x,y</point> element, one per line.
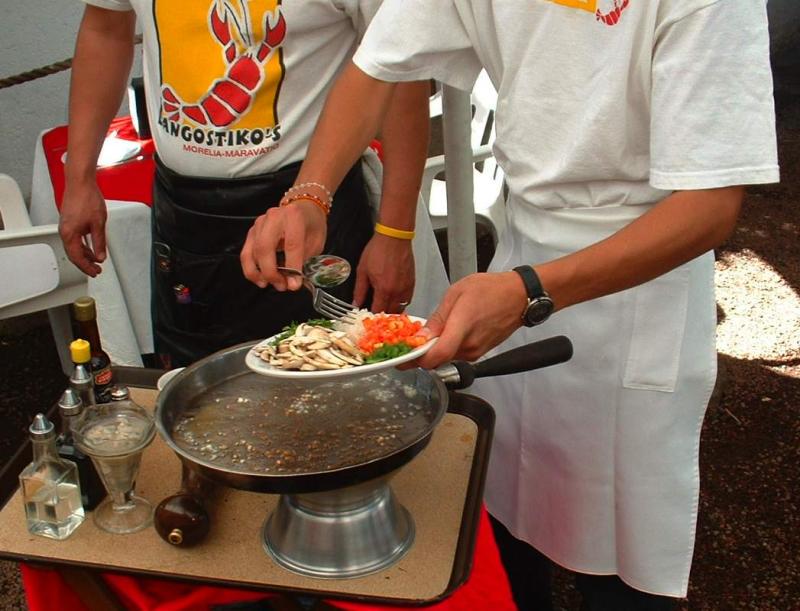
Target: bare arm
<point>681,227</point>
<point>404,136</point>
<point>387,263</point>
<point>352,116</point>
<point>100,70</point>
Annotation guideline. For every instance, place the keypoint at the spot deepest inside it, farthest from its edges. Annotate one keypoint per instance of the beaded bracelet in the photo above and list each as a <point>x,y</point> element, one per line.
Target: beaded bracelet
<point>303,185</point>
<point>317,201</point>
<point>400,234</point>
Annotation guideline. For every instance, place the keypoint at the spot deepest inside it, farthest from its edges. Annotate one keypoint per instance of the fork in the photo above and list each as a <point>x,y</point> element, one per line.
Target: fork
<point>323,302</point>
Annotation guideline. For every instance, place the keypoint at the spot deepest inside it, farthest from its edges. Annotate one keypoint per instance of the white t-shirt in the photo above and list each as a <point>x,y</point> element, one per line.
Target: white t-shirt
<point>600,102</point>
<point>221,102</point>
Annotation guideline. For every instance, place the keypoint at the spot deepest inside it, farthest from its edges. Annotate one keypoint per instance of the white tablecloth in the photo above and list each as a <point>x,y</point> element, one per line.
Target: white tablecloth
<point>122,290</point>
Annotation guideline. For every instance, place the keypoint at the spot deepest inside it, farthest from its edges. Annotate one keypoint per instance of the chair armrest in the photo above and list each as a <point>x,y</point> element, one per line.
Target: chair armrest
<point>12,204</point>
<point>72,283</point>
<point>435,165</point>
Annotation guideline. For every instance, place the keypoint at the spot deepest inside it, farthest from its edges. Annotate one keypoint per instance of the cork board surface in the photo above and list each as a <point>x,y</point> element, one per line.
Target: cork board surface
<point>432,487</point>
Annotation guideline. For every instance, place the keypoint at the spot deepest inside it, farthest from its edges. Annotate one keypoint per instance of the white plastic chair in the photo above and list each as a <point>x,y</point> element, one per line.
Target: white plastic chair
<point>35,273</point>
<point>488,199</point>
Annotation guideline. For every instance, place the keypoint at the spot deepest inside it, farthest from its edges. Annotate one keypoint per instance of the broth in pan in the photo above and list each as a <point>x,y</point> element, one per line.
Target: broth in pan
<point>248,424</point>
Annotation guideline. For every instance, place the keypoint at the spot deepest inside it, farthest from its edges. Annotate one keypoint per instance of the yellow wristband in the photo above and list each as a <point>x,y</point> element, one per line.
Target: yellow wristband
<point>400,234</point>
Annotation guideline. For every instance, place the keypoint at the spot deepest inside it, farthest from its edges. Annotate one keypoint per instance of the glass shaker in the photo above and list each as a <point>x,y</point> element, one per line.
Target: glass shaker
<point>50,486</point>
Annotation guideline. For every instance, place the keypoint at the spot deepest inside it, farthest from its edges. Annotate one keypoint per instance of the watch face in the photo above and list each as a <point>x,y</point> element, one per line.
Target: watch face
<point>538,311</point>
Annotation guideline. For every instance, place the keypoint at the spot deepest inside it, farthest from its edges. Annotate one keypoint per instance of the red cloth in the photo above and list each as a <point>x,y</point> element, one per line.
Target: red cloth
<point>46,590</point>
<point>486,588</point>
<point>130,181</point>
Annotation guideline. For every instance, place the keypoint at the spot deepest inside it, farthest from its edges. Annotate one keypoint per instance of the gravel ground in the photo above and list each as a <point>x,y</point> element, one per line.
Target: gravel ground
<point>749,531</point>
<point>749,527</point>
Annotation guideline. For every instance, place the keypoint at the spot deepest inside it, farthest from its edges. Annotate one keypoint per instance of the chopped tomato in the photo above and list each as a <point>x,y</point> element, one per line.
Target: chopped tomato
<point>389,329</point>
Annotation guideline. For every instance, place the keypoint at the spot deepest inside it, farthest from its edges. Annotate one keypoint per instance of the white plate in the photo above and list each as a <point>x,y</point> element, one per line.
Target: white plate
<point>254,362</point>
<point>164,379</point>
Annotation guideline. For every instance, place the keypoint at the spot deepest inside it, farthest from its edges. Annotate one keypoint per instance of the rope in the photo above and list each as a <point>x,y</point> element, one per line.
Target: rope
<point>54,68</point>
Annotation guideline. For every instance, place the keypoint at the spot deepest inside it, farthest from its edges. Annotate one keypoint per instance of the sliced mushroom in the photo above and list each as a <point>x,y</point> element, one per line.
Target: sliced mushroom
<point>292,364</point>
<point>320,364</point>
<point>318,333</point>
<point>346,345</point>
<point>301,330</point>
<point>297,351</point>
<point>346,358</point>
<point>312,348</point>
<point>319,345</point>
<point>327,355</point>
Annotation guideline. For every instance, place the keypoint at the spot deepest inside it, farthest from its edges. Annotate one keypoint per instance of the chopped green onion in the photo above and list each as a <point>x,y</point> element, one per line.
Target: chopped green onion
<point>388,351</point>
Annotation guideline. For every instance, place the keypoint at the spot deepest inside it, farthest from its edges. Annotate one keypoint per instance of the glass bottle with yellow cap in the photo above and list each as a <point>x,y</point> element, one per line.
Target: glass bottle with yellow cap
<point>81,379</point>
<point>85,313</point>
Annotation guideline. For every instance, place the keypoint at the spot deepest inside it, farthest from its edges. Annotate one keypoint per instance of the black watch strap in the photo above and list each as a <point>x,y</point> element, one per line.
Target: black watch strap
<point>533,285</point>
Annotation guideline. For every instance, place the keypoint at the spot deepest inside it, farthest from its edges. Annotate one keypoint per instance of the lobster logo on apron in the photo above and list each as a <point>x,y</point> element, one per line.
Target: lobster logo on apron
<point>221,70</point>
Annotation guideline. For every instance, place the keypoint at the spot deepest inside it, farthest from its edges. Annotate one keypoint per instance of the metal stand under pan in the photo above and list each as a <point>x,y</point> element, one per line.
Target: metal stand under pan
<point>349,532</point>
<point>329,523</point>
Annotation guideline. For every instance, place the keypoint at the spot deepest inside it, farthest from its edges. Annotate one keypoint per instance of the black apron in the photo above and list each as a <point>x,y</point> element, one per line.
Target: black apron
<point>201,301</point>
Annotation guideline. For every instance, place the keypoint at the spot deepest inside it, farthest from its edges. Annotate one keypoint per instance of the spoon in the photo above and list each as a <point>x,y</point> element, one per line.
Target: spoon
<point>322,271</point>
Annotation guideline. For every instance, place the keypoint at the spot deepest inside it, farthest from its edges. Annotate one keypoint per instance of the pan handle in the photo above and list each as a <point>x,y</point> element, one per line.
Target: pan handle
<point>536,355</point>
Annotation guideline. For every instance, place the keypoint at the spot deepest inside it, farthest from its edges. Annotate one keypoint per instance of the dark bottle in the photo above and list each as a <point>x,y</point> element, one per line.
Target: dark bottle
<point>85,313</point>
<point>92,490</point>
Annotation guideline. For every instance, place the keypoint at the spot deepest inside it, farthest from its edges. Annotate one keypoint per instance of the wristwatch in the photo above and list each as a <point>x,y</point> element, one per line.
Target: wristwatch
<point>540,306</point>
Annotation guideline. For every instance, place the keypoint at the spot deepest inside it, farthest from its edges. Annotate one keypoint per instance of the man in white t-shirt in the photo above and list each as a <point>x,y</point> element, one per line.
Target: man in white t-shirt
<point>233,91</point>
<point>626,129</point>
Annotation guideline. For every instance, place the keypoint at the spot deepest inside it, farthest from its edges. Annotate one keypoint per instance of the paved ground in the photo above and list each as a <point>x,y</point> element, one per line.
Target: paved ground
<point>749,526</point>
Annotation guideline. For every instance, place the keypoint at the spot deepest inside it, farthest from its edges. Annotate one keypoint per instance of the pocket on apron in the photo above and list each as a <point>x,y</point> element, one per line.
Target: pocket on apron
<point>659,325</point>
<point>190,289</point>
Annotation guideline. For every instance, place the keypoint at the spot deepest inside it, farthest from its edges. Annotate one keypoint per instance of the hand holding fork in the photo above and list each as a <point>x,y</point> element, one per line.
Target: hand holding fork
<point>324,271</point>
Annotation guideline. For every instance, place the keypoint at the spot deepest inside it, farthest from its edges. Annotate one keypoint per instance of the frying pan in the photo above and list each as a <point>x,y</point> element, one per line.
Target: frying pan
<point>337,408</point>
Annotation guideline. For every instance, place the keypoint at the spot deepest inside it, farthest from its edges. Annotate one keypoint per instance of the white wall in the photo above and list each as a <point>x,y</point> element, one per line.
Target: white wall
<point>34,33</point>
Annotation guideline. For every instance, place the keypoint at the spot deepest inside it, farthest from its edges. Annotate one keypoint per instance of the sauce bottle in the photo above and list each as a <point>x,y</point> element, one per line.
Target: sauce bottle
<point>84,312</point>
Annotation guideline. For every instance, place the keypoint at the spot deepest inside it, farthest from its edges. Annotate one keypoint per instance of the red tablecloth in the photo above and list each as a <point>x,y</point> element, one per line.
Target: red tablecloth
<point>129,181</point>
<point>486,588</point>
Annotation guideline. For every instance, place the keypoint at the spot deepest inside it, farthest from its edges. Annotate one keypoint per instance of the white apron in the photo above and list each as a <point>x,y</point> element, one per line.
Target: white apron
<point>595,461</point>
